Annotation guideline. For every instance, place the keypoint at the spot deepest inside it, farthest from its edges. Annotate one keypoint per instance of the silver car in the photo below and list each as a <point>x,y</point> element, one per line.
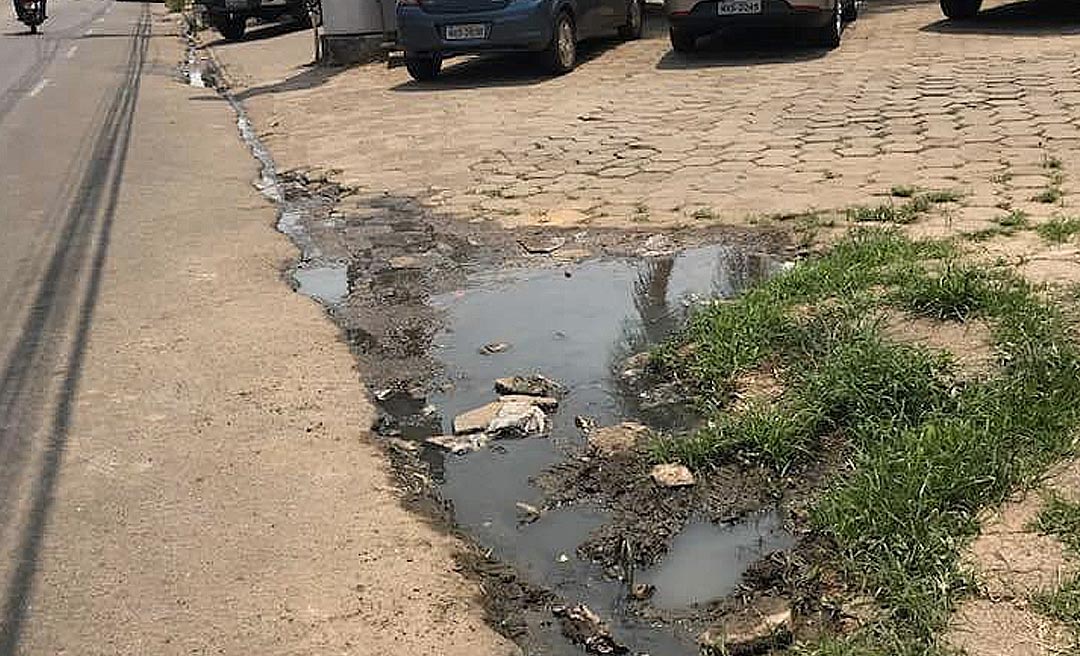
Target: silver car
<point>690,20</point>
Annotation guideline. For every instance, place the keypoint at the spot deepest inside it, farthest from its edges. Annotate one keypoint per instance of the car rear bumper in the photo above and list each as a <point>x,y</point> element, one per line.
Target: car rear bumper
<point>522,25</point>
<point>704,16</point>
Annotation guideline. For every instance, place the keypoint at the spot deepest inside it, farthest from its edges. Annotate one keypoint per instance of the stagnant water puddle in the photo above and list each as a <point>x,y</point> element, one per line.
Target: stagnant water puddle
<point>577,325</point>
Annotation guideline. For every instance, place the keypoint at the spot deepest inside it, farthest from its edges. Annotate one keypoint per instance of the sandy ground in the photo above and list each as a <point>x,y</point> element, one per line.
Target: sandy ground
<point>218,492</point>
<point>639,138</point>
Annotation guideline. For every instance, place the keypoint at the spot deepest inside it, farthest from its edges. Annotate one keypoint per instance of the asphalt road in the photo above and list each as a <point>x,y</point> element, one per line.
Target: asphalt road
<point>67,102</point>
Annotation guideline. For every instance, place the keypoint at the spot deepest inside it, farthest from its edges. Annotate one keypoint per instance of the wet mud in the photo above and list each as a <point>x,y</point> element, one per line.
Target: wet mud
<point>575,550</point>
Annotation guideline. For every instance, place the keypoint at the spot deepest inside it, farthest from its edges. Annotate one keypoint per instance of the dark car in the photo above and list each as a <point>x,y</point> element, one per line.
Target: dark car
<point>431,30</point>
<point>692,19</point>
<point>230,17</point>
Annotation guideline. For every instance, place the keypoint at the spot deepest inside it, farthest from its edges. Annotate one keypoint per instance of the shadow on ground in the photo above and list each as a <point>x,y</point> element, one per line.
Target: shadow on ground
<point>745,48</point>
<point>261,32</point>
<point>1033,18</point>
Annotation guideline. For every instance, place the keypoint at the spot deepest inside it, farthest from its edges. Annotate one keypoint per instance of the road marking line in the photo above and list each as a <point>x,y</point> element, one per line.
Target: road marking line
<point>71,51</point>
<point>38,87</point>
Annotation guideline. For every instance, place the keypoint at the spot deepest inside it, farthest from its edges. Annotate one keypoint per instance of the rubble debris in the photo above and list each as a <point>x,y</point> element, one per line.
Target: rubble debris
<point>634,367</point>
<point>672,475</point>
<point>764,627</point>
<point>527,513</point>
<point>642,591</point>
<point>533,385</point>
<point>476,420</point>
<point>518,419</point>
<point>618,439</point>
<point>541,245</point>
<point>494,348</point>
<point>582,626</point>
<point>545,403</point>
<point>459,444</point>
<point>585,424</point>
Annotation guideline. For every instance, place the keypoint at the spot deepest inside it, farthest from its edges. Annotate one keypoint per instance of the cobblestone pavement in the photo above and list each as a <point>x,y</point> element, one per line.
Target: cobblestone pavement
<point>639,134</point>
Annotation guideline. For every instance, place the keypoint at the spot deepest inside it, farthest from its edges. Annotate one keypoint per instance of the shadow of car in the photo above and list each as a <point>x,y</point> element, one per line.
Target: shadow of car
<point>431,31</point>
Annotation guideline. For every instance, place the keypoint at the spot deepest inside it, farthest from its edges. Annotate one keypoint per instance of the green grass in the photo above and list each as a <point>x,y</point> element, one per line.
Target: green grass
<point>916,205</point>
<point>1048,195</point>
<point>1059,229</point>
<point>928,450</point>
<point>1014,219</point>
<point>1061,518</point>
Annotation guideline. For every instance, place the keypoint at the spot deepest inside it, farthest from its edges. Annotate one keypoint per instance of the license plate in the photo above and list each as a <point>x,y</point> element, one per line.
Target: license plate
<point>733,7</point>
<point>464,32</point>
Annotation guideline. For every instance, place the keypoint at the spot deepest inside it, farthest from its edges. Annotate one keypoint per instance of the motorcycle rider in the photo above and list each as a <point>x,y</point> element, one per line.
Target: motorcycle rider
<point>20,12</point>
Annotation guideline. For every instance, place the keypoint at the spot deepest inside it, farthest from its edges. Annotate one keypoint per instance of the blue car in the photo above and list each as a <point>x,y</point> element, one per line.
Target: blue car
<point>432,30</point>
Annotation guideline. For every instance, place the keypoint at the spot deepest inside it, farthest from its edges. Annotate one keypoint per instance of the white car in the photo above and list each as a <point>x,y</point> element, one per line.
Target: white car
<point>693,19</point>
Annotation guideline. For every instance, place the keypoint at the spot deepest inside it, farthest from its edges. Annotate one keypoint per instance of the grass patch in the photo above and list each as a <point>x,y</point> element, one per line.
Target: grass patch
<point>928,450</point>
<point>916,204</point>
<point>1048,195</point>
<point>1058,230</point>
<point>1014,219</point>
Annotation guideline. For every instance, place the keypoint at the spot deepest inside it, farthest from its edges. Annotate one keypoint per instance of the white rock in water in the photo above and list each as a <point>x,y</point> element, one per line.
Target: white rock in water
<point>521,419</point>
<point>459,444</point>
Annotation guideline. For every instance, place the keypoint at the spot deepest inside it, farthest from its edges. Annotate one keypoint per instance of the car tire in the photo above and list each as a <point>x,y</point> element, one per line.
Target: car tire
<point>960,9</point>
<point>423,68</point>
<point>830,33</point>
<point>635,20</point>
<point>561,54</point>
<point>232,27</point>
<point>682,41</point>
<point>851,11</point>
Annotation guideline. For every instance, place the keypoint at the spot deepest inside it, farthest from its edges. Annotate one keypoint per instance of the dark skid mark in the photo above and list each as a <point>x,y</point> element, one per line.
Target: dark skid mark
<point>39,339</point>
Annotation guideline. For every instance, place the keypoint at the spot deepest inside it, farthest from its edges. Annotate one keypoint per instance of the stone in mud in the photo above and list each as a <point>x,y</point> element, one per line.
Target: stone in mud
<point>476,420</point>
<point>545,403</point>
<point>585,424</point>
<point>459,444</point>
<point>634,367</point>
<point>582,626</point>
<point>642,591</point>
<point>672,475</point>
<point>494,348</point>
<point>762,628</point>
<point>534,385</point>
<point>522,419</point>
<point>527,513</point>
<point>541,245</point>
<point>618,439</point>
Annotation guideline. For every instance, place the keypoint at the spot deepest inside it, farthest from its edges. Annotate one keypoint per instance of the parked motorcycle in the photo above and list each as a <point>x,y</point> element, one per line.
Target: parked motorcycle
<point>31,13</point>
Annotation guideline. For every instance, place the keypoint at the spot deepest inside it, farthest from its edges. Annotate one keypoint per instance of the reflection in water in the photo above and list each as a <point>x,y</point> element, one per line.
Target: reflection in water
<point>576,330</point>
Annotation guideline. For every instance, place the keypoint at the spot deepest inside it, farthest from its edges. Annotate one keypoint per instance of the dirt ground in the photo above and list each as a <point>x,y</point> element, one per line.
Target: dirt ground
<point>745,134</point>
<point>218,493</point>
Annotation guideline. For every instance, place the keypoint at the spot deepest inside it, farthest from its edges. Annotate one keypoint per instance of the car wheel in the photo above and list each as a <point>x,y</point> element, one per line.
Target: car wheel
<point>423,67</point>
<point>682,40</point>
<point>960,9</point>
<point>232,27</point>
<point>635,20</point>
<point>851,10</point>
<point>561,55</point>
<point>829,34</point>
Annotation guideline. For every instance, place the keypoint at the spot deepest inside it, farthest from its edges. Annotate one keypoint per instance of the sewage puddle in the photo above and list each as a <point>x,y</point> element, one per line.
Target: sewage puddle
<point>577,325</point>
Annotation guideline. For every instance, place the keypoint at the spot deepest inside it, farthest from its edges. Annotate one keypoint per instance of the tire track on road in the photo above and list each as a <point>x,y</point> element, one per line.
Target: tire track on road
<point>81,251</point>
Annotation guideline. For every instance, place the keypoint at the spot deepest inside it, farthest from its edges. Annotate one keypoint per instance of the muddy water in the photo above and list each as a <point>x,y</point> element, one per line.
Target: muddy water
<point>577,325</point>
